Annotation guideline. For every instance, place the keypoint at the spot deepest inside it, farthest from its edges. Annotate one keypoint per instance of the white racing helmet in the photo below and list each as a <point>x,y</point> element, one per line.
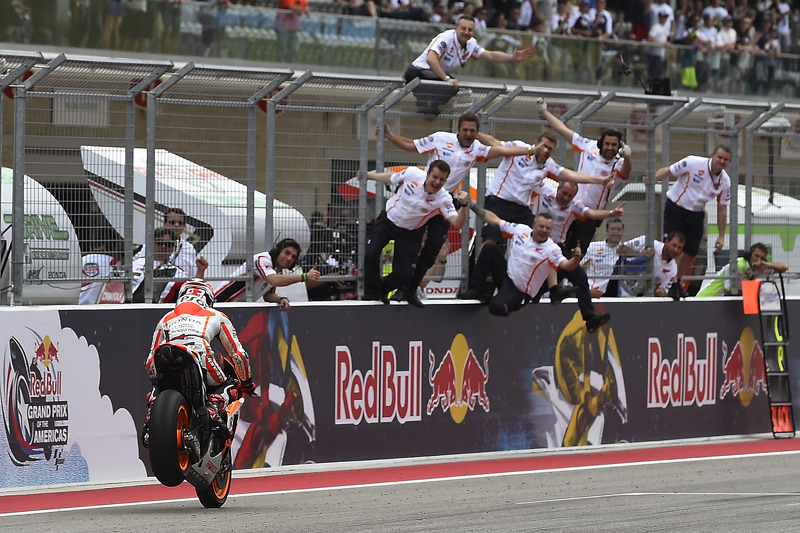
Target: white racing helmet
<point>197,290</point>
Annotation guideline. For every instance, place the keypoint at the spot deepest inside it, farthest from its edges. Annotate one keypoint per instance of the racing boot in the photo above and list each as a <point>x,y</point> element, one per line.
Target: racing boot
<point>216,408</point>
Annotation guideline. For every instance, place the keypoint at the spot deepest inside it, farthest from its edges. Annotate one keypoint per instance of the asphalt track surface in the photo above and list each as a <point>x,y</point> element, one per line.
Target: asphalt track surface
<point>750,484</point>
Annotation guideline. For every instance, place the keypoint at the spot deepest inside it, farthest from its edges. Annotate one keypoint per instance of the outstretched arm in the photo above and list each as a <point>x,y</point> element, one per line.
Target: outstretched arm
<point>602,214</point>
<point>459,219</point>
<point>554,121</point>
<point>496,56</point>
<point>580,177</point>
<point>573,262</point>
<point>486,215</point>
<point>401,142</point>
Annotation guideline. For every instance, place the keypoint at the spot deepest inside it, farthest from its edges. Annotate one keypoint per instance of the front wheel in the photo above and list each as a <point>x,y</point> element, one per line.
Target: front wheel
<point>169,416</point>
<point>215,495</point>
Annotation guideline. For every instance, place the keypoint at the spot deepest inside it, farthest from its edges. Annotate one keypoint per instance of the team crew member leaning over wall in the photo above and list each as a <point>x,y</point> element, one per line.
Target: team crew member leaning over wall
<point>533,257</point>
<point>419,197</point>
<point>460,151</point>
<point>446,53</point>
<point>266,277</point>
<point>753,265</point>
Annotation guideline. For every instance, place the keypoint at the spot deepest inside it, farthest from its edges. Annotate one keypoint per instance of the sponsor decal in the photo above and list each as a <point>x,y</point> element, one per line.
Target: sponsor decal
<point>459,381</point>
<point>34,414</point>
<point>687,379</point>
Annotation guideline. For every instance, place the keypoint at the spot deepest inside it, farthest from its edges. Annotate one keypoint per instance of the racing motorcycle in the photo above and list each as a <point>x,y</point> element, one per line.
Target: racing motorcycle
<point>183,441</point>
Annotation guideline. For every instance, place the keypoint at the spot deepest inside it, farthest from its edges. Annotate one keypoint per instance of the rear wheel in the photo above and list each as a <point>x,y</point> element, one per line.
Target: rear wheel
<point>169,416</point>
<point>215,495</point>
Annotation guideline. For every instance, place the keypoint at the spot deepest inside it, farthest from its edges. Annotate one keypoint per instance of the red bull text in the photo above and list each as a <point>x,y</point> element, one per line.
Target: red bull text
<point>383,393</point>
<point>687,380</point>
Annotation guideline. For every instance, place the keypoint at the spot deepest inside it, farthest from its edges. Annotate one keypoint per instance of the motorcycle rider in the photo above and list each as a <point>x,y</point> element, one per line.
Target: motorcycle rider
<point>194,323</point>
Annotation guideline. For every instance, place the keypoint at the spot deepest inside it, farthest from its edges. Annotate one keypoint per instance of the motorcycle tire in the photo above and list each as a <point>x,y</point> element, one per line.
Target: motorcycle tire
<point>215,495</point>
<point>169,415</point>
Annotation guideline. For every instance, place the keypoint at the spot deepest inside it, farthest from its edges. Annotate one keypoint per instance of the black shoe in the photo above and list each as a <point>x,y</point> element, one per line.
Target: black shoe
<point>398,296</point>
<point>676,291</point>
<point>469,294</point>
<point>558,293</point>
<point>413,299</point>
<point>596,321</point>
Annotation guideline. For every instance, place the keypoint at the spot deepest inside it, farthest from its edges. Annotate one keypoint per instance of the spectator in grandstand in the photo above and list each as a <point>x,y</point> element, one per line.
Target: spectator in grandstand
<point>533,258</point>
<point>603,23</point>
<point>268,274</point>
<point>559,22</point>
<point>657,53</point>
<point>480,23</point>
<point>421,196</point>
<point>727,40</point>
<point>287,26</point>
<point>699,179</point>
<point>360,7</point>
<point>607,156</point>
<point>404,10</point>
<point>445,54</point>
<point>513,18</point>
<point>439,12</point>
<point>662,6</point>
<point>582,24</point>
<point>112,18</point>
<point>707,61</point>
<point>135,26</point>
<point>715,12</point>
<point>753,265</point>
<point>765,60</point>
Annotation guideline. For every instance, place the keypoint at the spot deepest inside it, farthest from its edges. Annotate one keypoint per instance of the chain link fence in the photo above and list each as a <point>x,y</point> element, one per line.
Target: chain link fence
<point>249,156</point>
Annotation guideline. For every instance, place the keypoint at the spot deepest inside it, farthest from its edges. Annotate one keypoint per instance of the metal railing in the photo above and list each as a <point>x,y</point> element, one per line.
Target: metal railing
<point>255,155</point>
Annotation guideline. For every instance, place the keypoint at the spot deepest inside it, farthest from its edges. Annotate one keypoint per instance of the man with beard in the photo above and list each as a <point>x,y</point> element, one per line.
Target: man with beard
<point>607,156</point>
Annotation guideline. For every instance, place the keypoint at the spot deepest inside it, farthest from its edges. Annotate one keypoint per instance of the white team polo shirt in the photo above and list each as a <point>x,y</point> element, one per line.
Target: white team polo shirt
<point>599,264</point>
<point>530,262</point>
<point>452,55</point>
<point>663,271</point>
<point>562,215</point>
<point>518,176</point>
<point>445,146</point>
<point>263,267</point>
<point>696,186</point>
<point>411,207</point>
<point>595,195</point>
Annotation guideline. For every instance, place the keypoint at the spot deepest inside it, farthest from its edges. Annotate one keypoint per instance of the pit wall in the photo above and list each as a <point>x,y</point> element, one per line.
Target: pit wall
<point>374,382</point>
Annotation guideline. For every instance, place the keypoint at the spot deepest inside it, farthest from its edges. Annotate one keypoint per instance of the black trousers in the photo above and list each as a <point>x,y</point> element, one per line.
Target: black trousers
<point>406,250</point>
<point>437,228</point>
<point>579,279</point>
<point>492,261</point>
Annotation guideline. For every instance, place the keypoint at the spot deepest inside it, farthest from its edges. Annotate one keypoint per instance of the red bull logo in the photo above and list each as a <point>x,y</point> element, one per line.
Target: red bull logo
<point>459,381</point>
<point>744,371</point>
<point>383,393</point>
<point>686,380</point>
<point>46,352</point>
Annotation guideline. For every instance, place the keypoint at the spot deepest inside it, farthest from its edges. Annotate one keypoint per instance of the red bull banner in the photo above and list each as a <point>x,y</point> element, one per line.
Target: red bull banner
<point>359,382</point>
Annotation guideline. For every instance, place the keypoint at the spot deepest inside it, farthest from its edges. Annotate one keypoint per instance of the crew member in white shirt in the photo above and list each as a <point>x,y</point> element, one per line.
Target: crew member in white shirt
<point>446,53</point>
<point>607,156</point>
<point>419,197</point>
<point>699,179</point>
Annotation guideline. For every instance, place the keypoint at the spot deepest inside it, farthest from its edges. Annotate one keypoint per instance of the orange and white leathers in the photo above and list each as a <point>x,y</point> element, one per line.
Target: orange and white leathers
<point>195,326</point>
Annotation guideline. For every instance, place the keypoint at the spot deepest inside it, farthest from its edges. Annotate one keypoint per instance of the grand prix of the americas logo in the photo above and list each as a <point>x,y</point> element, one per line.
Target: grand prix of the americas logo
<point>35,420</point>
<point>385,393</point>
